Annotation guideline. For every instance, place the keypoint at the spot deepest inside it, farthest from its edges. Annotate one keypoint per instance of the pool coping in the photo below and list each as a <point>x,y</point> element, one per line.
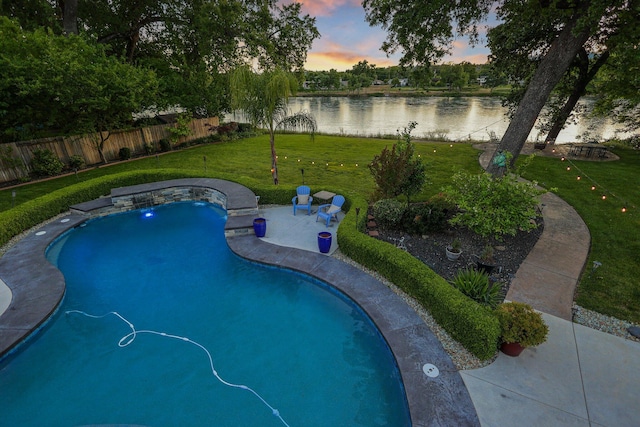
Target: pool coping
<point>38,285</point>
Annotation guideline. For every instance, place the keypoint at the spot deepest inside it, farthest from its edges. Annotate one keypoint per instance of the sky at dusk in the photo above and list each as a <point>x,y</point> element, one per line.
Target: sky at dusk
<point>346,38</point>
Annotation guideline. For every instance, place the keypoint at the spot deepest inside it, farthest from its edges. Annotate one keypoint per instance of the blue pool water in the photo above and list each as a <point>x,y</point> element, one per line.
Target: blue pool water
<point>304,350</point>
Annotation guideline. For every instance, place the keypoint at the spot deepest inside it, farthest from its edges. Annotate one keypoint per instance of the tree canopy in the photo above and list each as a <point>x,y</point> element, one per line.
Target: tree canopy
<point>190,45</point>
<point>424,31</point>
<point>56,84</point>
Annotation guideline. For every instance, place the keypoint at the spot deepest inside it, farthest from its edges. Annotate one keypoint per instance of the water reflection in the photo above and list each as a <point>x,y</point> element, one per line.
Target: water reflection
<point>465,118</point>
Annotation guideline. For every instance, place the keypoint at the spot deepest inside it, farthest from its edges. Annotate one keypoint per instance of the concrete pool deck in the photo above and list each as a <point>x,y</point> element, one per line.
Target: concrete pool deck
<point>37,288</point>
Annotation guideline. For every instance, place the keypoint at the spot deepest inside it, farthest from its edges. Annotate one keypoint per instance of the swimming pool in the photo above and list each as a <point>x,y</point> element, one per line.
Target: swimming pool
<point>172,272</point>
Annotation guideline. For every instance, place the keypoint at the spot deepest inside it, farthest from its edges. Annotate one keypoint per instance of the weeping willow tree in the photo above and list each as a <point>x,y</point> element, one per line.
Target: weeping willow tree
<point>263,97</point>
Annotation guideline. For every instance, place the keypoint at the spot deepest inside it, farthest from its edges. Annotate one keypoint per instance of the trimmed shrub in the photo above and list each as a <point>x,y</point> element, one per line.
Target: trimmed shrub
<point>388,212</point>
<point>45,163</point>
<point>124,153</point>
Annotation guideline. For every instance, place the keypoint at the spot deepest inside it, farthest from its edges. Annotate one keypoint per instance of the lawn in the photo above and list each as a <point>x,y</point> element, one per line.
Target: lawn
<point>341,162</point>
<point>613,287</point>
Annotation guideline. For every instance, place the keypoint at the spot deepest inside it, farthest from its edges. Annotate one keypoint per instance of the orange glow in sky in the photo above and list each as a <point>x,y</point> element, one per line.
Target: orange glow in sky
<point>346,39</point>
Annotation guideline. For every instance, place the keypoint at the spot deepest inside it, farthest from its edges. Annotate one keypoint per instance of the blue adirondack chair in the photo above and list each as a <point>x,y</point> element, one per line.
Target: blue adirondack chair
<point>330,211</point>
<point>302,200</point>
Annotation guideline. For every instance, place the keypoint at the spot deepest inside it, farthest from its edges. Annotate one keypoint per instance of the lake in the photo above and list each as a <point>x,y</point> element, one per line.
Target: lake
<point>456,119</point>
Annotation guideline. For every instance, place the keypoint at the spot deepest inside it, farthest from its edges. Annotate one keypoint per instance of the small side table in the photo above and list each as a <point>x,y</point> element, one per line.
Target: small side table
<point>324,196</point>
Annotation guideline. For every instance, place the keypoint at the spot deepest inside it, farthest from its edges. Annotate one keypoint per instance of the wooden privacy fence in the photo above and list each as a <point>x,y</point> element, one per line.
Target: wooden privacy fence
<point>15,157</point>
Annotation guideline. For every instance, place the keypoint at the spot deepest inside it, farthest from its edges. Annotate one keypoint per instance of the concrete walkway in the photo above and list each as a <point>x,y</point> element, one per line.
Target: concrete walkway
<point>580,376</point>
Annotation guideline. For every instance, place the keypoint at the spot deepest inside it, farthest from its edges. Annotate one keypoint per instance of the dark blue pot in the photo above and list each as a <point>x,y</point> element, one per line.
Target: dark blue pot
<point>260,227</point>
<point>324,242</point>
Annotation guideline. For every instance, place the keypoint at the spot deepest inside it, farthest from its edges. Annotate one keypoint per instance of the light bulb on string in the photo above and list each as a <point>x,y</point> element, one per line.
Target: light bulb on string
<point>604,197</point>
<point>562,159</point>
<point>568,168</point>
<point>578,178</point>
<point>593,187</point>
<point>624,209</point>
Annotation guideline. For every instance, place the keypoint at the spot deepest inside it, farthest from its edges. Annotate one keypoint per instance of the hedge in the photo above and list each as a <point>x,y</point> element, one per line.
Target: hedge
<point>471,324</point>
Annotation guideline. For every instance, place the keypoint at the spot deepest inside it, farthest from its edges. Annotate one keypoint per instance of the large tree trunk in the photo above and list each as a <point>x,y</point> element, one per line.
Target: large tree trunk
<point>69,10</point>
<point>551,69</point>
<point>586,75</point>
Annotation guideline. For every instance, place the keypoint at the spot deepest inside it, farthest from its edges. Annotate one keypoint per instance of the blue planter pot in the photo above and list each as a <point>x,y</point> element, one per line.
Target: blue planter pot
<point>324,242</point>
<point>260,227</point>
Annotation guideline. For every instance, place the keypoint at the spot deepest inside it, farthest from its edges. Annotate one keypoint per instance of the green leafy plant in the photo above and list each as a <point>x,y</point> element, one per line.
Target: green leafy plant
<point>398,171</point>
<point>477,286</point>
<point>455,246</point>
<point>45,163</point>
<point>423,218</point>
<point>493,206</point>
<point>181,128</point>
<point>165,145</point>
<point>76,162</point>
<point>124,153</point>
<point>487,255</point>
<point>388,212</point>
<point>520,323</point>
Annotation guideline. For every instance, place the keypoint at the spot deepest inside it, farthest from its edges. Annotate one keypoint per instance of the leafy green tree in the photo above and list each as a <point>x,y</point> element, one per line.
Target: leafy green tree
<point>425,31</point>
<point>192,45</point>
<point>55,84</point>
<point>31,14</point>
<point>263,98</point>
<point>398,171</point>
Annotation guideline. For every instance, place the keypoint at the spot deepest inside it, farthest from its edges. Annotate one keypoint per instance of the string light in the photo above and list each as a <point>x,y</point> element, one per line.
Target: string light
<point>604,195</point>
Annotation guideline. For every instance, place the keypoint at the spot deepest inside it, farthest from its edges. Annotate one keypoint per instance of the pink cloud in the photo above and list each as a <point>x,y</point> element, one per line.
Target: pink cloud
<point>324,7</point>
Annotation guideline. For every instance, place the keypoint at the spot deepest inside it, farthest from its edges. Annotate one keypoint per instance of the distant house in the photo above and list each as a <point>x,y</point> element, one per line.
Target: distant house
<point>377,83</point>
<point>482,80</point>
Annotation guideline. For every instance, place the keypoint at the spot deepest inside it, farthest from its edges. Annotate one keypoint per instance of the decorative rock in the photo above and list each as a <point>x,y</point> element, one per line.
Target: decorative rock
<point>634,330</point>
<point>374,233</point>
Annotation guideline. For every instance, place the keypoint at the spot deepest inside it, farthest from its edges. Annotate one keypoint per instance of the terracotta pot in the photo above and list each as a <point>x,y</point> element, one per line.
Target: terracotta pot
<point>512,349</point>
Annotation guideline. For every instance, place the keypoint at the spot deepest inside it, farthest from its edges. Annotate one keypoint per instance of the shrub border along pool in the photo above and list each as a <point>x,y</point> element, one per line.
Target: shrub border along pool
<point>474,326</point>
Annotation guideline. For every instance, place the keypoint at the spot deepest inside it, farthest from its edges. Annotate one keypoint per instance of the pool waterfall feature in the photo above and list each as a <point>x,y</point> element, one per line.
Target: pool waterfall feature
<point>412,343</point>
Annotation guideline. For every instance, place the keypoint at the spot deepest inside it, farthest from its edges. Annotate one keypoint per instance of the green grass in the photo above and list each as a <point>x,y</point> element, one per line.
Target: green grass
<point>613,288</point>
<point>330,162</point>
<point>327,161</point>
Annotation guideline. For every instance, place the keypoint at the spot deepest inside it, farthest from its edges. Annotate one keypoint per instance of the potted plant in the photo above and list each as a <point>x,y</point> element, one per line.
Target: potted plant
<point>486,262</point>
<point>521,326</point>
<point>454,250</point>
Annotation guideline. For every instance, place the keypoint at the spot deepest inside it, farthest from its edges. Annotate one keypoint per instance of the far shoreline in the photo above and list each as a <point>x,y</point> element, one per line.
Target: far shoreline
<point>388,91</point>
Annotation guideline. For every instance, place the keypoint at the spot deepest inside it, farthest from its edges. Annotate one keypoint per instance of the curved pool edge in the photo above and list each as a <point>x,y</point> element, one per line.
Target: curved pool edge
<point>38,288</point>
<point>443,400</point>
